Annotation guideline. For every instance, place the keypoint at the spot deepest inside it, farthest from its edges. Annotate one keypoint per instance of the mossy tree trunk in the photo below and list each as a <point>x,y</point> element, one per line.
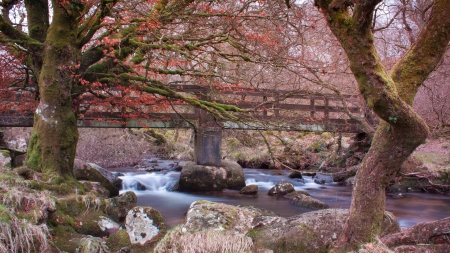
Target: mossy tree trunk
<point>390,96</point>
<point>53,142</point>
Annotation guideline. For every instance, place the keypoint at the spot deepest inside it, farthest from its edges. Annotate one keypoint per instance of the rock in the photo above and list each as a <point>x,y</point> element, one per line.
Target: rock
<point>144,225</point>
<point>202,178</point>
<point>295,193</point>
<point>310,232</point>
<point>235,174</point>
<point>108,225</point>
<point>19,160</point>
<point>209,225</point>
<point>5,158</point>
<point>92,245</point>
<point>344,174</point>
<point>118,207</point>
<point>96,187</point>
<point>125,250</point>
<point>249,189</point>
<point>295,174</point>
<point>208,215</point>
<point>90,172</point>
<point>301,199</point>
<point>350,181</point>
<point>209,178</point>
<point>281,188</point>
<point>322,179</point>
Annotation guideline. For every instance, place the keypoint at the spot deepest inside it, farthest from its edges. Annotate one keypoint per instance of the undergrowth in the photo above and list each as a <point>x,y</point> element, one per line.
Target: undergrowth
<point>22,211</point>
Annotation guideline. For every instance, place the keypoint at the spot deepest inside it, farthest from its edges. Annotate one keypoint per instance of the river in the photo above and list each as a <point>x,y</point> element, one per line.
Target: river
<point>410,209</point>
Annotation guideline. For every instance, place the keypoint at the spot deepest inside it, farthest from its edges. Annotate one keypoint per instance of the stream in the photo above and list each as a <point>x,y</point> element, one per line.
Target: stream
<point>410,209</point>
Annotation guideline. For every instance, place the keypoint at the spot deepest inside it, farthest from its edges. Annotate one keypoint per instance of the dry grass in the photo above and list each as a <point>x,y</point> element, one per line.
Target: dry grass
<point>22,236</point>
<point>203,241</point>
<point>21,208</point>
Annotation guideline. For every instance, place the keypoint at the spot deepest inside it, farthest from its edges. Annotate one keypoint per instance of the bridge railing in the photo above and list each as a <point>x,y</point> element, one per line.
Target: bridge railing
<point>265,109</point>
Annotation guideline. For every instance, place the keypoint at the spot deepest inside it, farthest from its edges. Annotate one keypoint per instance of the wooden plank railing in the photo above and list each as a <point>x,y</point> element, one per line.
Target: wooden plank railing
<point>268,109</point>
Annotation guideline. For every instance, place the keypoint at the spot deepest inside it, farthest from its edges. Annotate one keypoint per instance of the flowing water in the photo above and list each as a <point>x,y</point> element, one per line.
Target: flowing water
<point>411,209</point>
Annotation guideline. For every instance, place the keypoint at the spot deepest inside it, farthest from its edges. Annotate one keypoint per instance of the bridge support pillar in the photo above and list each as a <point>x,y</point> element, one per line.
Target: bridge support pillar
<point>207,146</point>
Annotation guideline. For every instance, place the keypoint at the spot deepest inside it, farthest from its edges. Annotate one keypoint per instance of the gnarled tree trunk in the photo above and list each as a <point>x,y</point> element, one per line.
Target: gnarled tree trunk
<point>390,96</point>
<point>53,142</point>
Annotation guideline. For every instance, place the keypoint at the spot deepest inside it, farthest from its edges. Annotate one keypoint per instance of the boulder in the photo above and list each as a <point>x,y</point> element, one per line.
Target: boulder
<point>95,187</point>
<point>301,199</point>
<point>92,245</point>
<point>310,232</point>
<point>90,172</point>
<point>117,208</point>
<point>295,174</point>
<point>249,189</point>
<point>5,158</point>
<point>202,178</point>
<point>144,225</point>
<point>195,177</point>
<point>281,188</point>
<point>322,179</point>
<point>210,226</point>
<point>107,225</point>
<point>19,160</point>
<point>235,174</point>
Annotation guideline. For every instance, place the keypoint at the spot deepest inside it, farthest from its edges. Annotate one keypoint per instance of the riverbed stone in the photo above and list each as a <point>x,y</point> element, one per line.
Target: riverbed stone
<point>281,188</point>
<point>249,189</point>
<point>295,174</point>
<point>299,198</point>
<point>322,179</point>
<point>235,174</point>
<point>117,208</point>
<point>144,225</point>
<point>195,177</point>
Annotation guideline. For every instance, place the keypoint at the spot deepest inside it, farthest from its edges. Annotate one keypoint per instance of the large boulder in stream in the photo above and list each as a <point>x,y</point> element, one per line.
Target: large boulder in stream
<point>210,226</point>
<point>195,177</point>
<point>281,188</point>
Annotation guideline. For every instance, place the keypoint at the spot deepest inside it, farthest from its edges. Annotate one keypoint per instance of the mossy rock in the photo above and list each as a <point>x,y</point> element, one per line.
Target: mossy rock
<point>202,178</point>
<point>118,240</point>
<point>117,208</point>
<point>90,174</point>
<point>235,174</point>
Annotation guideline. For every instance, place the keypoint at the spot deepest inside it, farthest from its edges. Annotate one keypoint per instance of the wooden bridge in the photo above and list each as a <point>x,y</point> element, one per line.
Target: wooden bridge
<point>265,110</point>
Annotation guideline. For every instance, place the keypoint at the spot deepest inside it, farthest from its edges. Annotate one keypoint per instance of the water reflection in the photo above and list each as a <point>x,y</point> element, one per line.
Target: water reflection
<point>411,209</point>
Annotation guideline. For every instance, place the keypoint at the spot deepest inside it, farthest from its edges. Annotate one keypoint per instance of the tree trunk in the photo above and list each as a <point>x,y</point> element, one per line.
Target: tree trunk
<point>390,96</point>
<point>53,142</point>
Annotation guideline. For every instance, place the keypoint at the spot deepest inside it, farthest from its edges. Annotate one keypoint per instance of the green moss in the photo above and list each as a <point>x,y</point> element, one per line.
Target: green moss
<point>118,240</point>
<point>5,215</point>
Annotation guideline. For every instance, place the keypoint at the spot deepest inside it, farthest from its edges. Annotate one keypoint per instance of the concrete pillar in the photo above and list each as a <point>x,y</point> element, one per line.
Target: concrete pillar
<point>207,146</point>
